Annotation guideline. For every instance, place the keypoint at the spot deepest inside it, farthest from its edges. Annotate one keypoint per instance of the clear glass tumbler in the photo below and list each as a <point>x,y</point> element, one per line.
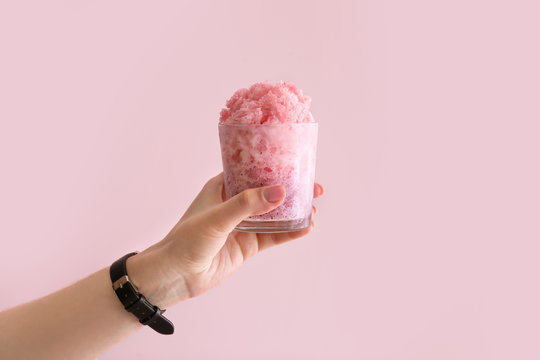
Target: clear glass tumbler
<point>257,155</point>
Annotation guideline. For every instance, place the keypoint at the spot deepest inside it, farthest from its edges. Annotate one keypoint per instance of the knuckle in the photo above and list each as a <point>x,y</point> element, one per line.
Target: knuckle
<point>219,228</point>
<point>213,225</point>
<point>244,199</point>
<point>214,180</point>
<point>209,183</point>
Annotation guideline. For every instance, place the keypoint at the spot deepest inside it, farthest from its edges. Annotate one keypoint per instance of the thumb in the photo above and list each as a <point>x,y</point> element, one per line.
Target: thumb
<point>249,202</point>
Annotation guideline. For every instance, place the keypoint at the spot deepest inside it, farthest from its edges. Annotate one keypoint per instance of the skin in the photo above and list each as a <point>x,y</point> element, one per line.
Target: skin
<point>85,319</point>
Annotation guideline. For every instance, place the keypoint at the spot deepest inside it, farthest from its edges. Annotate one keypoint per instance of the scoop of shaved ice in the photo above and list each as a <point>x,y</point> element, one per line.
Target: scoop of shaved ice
<point>266,103</point>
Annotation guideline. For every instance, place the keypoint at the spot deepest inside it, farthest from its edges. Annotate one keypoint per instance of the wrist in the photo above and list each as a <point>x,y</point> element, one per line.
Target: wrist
<point>152,275</point>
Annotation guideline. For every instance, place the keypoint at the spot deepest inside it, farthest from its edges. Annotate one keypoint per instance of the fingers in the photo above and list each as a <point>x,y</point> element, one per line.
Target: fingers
<point>267,240</point>
<point>225,216</point>
<point>209,195</point>
<point>318,190</point>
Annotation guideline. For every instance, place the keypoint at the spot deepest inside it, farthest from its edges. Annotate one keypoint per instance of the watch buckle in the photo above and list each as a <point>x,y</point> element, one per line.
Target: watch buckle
<point>118,284</point>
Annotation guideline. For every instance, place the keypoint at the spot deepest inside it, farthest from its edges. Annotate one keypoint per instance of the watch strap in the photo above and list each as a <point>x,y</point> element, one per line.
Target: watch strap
<point>134,301</point>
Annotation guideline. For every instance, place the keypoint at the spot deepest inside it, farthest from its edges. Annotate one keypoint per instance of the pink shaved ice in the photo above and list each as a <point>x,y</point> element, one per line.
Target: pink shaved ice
<point>266,103</point>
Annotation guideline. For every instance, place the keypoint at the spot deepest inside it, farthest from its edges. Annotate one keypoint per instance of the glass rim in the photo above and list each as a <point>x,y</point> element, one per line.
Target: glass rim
<point>278,124</point>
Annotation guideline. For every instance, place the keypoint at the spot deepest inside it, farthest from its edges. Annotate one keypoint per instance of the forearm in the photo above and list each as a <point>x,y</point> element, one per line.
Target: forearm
<point>77,322</point>
<point>83,320</point>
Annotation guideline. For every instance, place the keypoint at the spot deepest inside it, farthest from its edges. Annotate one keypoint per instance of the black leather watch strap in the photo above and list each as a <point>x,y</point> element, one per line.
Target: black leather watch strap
<point>134,301</point>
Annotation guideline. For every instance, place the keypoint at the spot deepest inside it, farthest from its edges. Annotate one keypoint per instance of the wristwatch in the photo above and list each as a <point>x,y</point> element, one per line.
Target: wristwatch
<point>134,301</point>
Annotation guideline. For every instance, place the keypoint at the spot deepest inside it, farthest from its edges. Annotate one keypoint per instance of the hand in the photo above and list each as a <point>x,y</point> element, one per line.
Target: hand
<point>203,248</point>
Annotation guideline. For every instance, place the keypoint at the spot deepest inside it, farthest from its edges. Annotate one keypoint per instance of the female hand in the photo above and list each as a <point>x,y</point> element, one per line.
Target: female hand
<point>197,254</point>
<point>203,248</point>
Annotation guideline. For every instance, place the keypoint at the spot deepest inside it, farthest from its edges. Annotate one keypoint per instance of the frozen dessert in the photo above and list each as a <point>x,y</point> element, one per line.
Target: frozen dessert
<point>268,137</point>
<point>265,103</point>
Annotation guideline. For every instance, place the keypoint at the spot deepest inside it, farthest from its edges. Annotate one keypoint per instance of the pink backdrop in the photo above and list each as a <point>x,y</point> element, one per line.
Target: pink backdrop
<point>426,244</point>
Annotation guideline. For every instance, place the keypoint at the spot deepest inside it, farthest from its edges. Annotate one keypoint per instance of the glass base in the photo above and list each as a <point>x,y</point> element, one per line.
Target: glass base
<point>274,226</point>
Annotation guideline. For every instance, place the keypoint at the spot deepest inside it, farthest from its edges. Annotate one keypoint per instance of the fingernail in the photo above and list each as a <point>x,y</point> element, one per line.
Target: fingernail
<point>274,194</point>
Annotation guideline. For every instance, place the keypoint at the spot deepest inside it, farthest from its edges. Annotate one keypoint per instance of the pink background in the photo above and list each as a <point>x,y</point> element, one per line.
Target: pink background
<point>426,244</point>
